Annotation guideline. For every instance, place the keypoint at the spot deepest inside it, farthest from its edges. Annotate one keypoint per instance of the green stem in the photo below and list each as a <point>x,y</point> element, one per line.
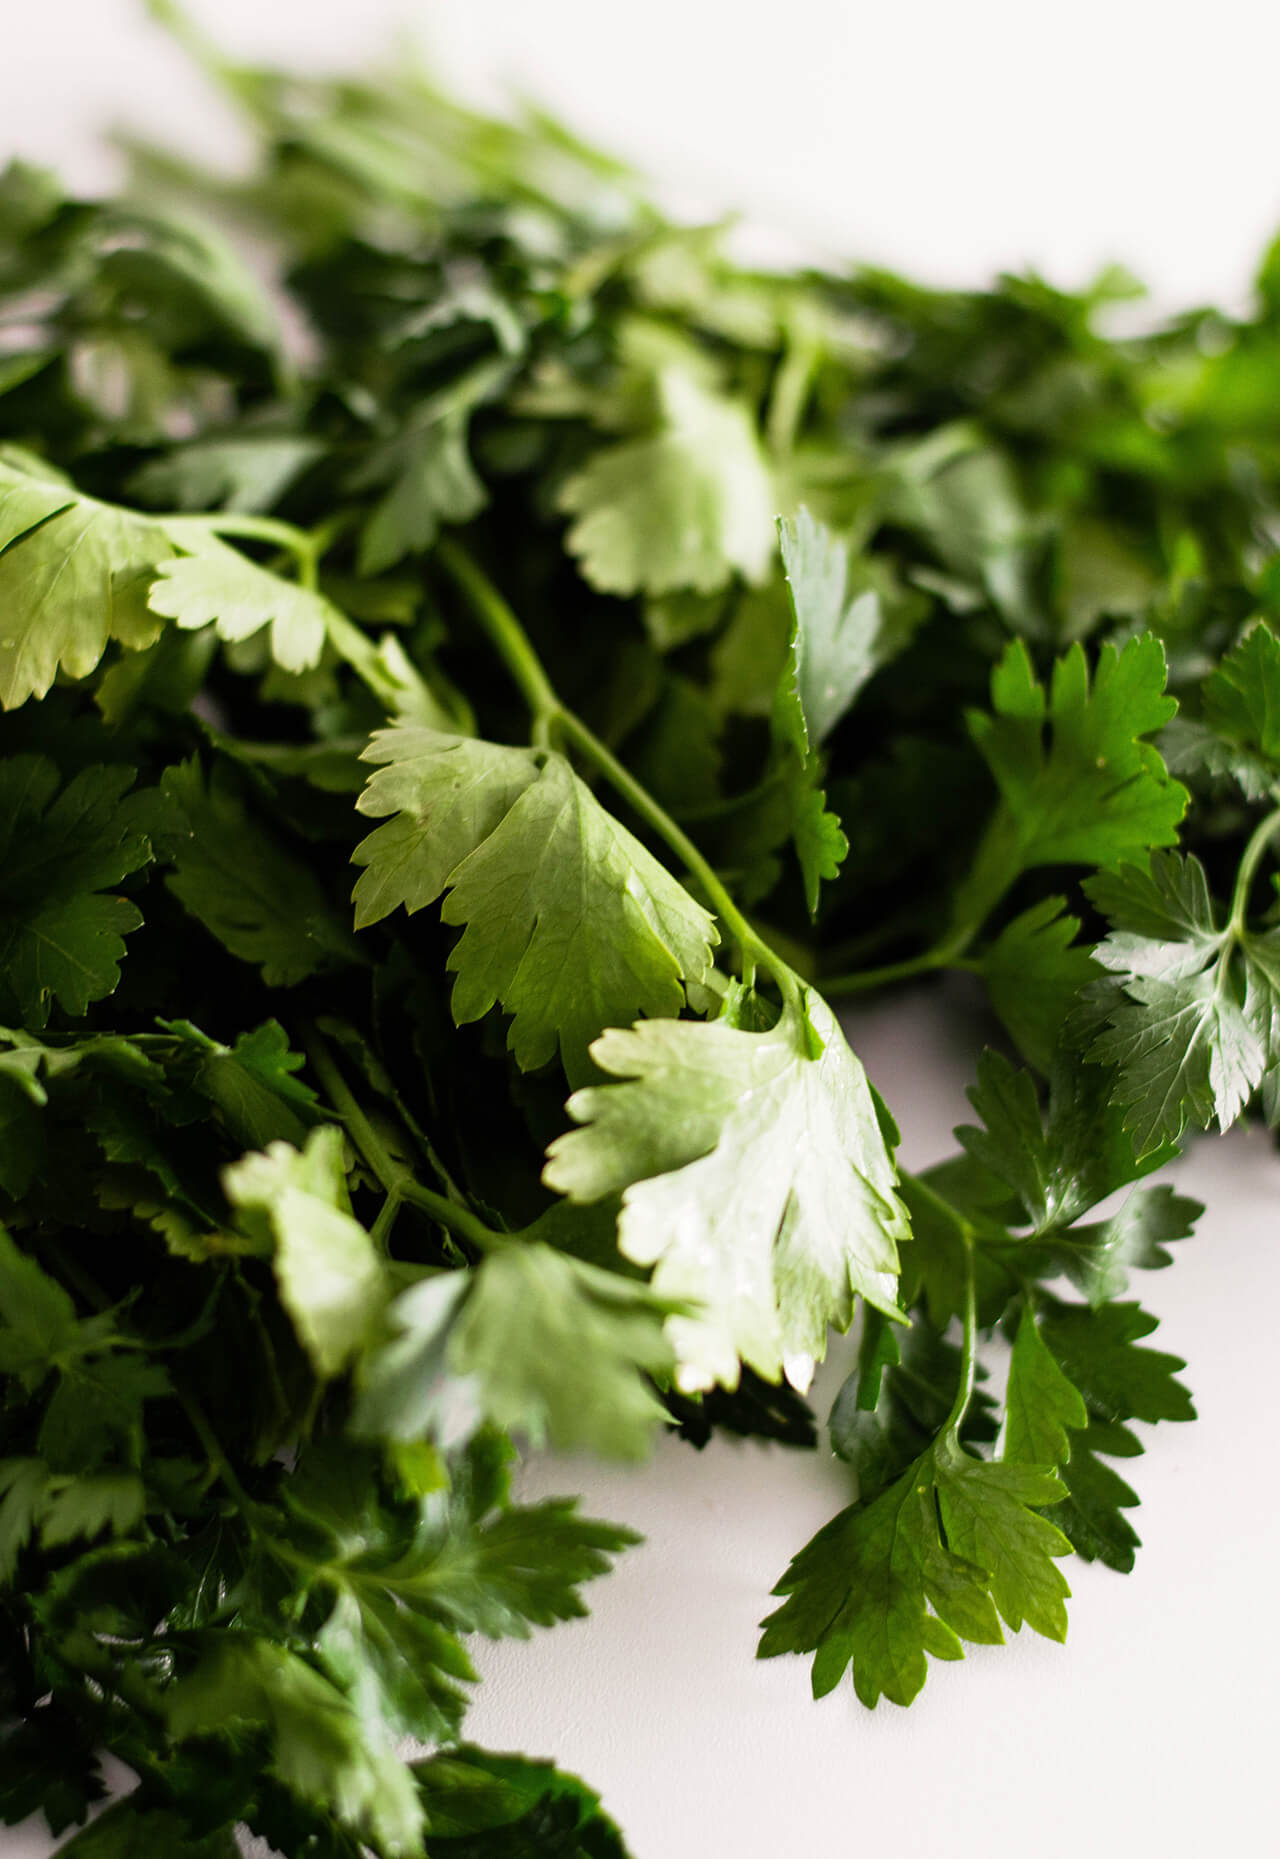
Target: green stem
<point>1249,863</point>
<point>395,1178</point>
<point>996,864</point>
<point>914,1188</point>
<point>380,1231</point>
<point>503,628</point>
<point>459,1220</point>
<point>942,955</point>
<point>304,546</point>
<point>969,1347</point>
<point>790,391</point>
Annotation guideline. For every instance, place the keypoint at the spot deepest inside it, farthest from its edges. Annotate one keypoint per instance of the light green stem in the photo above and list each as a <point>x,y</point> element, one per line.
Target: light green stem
<point>913,1186</point>
<point>791,384</point>
<point>969,1346</point>
<point>946,954</point>
<point>503,628</point>
<point>1250,860</point>
<point>305,548</point>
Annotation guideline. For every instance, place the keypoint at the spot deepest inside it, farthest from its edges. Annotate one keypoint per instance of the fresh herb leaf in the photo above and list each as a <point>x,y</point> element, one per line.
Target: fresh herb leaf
<point>754,1177</point>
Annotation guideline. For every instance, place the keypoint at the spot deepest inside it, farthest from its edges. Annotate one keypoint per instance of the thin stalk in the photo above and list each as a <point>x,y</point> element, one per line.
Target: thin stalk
<point>996,864</point>
<point>304,547</point>
<point>1251,859</point>
<point>862,981</point>
<point>459,1220</point>
<point>969,1346</point>
<point>790,392</point>
<point>380,1231</point>
<point>914,1188</point>
<point>504,629</point>
<point>395,1178</point>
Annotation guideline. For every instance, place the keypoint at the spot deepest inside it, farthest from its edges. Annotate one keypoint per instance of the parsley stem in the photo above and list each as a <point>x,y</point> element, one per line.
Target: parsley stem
<point>1249,863</point>
<point>304,546</point>
<point>380,1231</point>
<point>863,980</point>
<point>503,628</point>
<point>789,394</point>
<point>946,954</point>
<point>915,1188</point>
<point>394,1176</point>
<point>969,1345</point>
<point>459,1220</point>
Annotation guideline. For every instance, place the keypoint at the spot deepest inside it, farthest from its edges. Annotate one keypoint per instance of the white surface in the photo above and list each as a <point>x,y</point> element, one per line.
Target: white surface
<point>950,139</point>
<point>954,139</point>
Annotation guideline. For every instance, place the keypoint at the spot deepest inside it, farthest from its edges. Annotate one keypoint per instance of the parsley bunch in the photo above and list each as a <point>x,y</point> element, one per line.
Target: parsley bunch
<point>482,672</point>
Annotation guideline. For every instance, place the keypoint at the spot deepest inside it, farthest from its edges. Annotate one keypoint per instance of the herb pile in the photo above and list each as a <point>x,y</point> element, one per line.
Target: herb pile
<point>656,652</point>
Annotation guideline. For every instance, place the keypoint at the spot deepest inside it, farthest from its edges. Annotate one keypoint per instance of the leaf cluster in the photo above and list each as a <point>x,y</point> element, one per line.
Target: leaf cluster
<point>449,770</point>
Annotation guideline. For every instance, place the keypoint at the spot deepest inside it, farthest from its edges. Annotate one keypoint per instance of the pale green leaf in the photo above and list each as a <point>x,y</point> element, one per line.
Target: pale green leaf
<point>247,472</point>
<point>687,508</point>
<point>844,628</point>
<point>217,586</point>
<point>755,1179</point>
<point>74,574</point>
<point>331,1279</point>
<point>569,922</point>
<point>447,793</point>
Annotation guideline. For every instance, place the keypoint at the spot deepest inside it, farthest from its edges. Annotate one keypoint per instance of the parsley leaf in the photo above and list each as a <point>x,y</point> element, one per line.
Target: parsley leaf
<point>548,1345</point>
<point>1191,1023</point>
<point>940,1556</point>
<point>591,930</point>
<point>1241,705</point>
<point>846,627</point>
<point>318,1745</point>
<point>1078,784</point>
<point>62,848</point>
<point>74,574</point>
<point>1034,970</point>
<point>688,507</point>
<point>258,898</point>
<point>1041,1403</point>
<point>754,1177</point>
<point>330,1278</point>
<point>217,586</point>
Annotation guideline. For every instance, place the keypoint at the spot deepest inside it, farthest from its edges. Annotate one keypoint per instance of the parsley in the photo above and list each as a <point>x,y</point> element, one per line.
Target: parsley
<point>446,781</point>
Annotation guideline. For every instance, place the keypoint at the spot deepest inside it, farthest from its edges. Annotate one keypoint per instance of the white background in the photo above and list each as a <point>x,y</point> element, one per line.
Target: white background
<point>953,140</point>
